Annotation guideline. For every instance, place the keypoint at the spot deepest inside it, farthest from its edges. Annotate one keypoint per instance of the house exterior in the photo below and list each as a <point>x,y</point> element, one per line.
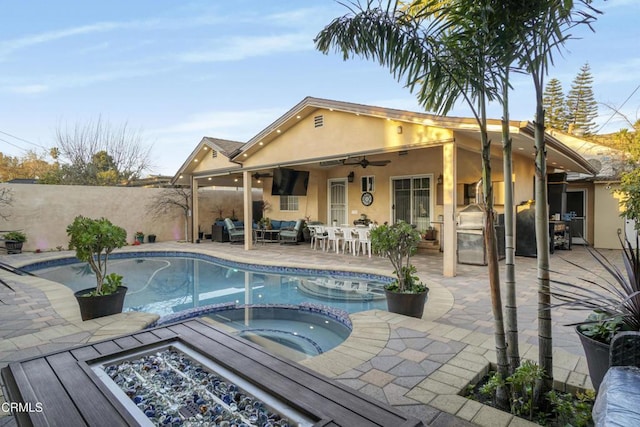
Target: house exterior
<point>385,163</point>
<point>594,197</point>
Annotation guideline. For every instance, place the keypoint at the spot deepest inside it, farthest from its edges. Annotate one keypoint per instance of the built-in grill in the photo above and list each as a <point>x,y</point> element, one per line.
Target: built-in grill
<point>470,236</point>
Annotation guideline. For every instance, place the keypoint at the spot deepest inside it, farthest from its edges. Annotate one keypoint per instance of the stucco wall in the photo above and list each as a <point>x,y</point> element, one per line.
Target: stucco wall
<point>44,211</point>
<point>606,214</point>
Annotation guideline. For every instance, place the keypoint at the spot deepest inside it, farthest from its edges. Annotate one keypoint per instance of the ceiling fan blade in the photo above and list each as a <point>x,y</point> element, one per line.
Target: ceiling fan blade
<point>379,162</point>
<point>326,163</point>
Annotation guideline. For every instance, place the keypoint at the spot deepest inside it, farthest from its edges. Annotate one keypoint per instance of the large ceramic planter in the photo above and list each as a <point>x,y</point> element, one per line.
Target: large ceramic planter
<point>597,354</point>
<point>101,305</point>
<point>151,238</point>
<point>13,246</point>
<point>405,303</point>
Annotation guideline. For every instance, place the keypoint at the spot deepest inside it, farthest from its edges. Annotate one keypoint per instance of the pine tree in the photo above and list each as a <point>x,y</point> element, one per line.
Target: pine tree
<point>581,104</point>
<point>555,106</point>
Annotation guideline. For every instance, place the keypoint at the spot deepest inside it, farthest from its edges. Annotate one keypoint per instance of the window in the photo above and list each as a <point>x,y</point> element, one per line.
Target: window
<point>368,184</point>
<point>288,203</point>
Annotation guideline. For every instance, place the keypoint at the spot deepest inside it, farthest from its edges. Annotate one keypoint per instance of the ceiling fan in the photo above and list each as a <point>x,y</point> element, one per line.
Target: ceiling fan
<point>261,175</point>
<point>364,162</point>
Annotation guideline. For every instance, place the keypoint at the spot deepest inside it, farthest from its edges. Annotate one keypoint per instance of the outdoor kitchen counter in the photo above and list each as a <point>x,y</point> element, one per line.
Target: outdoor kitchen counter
<point>62,389</point>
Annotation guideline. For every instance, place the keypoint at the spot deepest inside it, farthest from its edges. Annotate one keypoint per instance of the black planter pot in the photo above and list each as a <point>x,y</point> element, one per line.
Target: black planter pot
<point>13,247</point>
<point>151,238</point>
<point>101,305</point>
<point>597,354</point>
<point>407,304</point>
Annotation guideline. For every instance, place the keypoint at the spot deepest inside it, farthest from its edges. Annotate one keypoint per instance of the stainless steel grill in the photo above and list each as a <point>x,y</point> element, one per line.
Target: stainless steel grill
<point>470,236</point>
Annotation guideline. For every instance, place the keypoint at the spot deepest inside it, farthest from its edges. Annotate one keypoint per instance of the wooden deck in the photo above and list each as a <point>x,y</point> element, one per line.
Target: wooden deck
<point>70,393</point>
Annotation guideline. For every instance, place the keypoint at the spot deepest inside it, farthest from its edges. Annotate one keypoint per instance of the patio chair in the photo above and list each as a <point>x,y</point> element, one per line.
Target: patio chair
<point>625,349</point>
<point>333,238</point>
<point>350,239</point>
<point>364,241</point>
<point>236,234</point>
<point>318,235</point>
<point>618,401</point>
<point>291,236</point>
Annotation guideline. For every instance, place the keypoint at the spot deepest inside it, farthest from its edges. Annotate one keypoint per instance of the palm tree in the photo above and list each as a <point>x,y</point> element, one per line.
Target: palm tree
<point>544,32</point>
<point>443,51</point>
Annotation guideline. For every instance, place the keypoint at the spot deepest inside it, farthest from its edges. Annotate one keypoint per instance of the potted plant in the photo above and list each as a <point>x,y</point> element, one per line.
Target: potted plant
<point>430,234</point>
<point>139,236</point>
<point>614,301</point>
<point>151,238</point>
<point>13,241</point>
<point>406,294</point>
<point>94,240</point>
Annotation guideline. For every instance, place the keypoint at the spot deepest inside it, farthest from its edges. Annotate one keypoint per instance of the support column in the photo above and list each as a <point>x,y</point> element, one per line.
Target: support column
<point>248,210</point>
<point>194,210</point>
<point>449,174</point>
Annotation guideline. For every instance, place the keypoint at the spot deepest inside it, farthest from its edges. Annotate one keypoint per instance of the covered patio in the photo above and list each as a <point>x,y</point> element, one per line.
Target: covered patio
<point>356,159</point>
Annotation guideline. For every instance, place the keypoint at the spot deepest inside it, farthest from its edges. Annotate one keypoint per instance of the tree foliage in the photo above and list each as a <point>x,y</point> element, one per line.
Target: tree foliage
<point>629,141</point>
<point>98,153</point>
<point>94,240</point>
<point>399,242</point>
<point>582,107</point>
<point>30,166</point>
<point>555,106</point>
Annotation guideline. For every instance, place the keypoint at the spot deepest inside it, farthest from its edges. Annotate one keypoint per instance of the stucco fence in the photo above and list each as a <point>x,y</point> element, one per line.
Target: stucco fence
<point>44,211</point>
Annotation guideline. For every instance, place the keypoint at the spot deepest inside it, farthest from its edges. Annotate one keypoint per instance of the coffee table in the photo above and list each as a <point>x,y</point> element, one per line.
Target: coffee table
<point>266,236</point>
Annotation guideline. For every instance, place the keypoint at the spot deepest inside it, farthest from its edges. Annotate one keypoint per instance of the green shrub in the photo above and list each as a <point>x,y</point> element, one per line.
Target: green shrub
<point>94,240</point>
<point>16,236</point>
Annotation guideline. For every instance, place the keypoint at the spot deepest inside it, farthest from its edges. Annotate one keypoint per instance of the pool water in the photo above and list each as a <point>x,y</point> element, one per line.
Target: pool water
<point>290,332</point>
<point>166,285</point>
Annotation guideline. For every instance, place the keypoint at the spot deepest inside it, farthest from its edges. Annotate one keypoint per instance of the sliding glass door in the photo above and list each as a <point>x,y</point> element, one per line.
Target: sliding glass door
<point>412,201</point>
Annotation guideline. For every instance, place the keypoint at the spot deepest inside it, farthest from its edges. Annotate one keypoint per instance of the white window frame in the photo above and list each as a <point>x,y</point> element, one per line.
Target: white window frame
<point>368,183</point>
<point>289,203</point>
<point>432,189</point>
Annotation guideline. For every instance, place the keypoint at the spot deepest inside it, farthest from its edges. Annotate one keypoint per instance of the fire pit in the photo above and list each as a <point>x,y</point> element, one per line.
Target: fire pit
<point>174,385</point>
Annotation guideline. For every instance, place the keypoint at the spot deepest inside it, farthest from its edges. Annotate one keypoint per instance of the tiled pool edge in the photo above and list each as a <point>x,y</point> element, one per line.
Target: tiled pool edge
<point>66,259</point>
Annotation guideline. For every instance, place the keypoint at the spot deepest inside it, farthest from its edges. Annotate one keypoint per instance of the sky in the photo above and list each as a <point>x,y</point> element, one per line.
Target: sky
<point>177,71</point>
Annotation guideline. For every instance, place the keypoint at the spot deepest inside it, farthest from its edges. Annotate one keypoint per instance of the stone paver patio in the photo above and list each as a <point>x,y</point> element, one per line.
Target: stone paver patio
<point>418,365</point>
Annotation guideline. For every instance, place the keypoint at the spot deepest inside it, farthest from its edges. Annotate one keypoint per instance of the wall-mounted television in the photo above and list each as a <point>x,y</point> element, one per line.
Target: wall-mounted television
<point>289,182</point>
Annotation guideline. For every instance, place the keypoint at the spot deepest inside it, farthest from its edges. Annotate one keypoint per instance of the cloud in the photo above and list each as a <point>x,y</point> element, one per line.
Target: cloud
<point>618,72</point>
<point>28,89</point>
<point>10,46</point>
<point>235,125</point>
<point>52,83</point>
<point>238,48</point>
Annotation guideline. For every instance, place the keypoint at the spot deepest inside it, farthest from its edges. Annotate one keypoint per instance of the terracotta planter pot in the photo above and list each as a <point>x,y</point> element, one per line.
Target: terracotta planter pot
<point>102,305</point>
<point>597,354</point>
<point>407,304</point>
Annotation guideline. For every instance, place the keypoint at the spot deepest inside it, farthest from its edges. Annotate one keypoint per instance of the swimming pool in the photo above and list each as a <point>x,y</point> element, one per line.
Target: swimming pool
<point>170,282</point>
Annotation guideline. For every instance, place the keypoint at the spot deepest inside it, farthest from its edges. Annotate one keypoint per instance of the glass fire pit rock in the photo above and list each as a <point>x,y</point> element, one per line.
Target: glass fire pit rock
<point>173,389</point>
